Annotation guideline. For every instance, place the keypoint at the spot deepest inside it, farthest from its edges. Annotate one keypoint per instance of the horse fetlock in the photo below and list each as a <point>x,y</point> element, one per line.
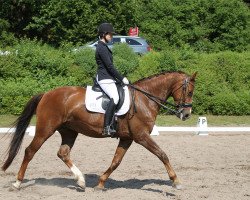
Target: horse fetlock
<point>77,173</point>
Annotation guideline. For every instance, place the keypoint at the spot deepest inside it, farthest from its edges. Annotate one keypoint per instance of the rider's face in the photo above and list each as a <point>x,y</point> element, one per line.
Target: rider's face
<point>109,37</point>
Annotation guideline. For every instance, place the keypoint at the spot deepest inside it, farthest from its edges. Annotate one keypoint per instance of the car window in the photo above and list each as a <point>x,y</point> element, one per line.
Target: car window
<point>114,40</point>
<point>132,42</point>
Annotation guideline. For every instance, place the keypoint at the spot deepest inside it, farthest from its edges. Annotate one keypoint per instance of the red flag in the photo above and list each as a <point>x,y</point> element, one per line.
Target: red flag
<point>133,31</point>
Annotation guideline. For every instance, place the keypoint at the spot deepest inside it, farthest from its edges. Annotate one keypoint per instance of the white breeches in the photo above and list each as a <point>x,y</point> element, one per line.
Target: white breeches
<point>109,87</point>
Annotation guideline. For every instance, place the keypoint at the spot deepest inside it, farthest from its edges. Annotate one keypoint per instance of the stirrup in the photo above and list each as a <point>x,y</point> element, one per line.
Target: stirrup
<point>108,131</point>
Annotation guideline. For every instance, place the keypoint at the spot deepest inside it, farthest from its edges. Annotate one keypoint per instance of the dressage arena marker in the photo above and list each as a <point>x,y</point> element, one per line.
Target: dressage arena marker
<point>202,124</point>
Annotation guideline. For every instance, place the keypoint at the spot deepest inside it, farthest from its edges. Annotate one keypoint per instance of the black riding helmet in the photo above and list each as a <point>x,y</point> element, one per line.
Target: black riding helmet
<point>105,28</point>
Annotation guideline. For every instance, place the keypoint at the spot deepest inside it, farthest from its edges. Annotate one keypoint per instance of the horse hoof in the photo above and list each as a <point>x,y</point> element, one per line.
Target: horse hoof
<point>13,188</point>
<point>177,186</point>
<point>81,185</point>
<point>103,189</point>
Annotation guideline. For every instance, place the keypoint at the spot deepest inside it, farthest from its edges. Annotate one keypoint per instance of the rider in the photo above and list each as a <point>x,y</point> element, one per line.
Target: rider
<point>107,75</point>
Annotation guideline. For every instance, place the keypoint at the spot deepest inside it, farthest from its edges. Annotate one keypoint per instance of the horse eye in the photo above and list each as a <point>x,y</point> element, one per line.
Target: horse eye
<point>190,94</point>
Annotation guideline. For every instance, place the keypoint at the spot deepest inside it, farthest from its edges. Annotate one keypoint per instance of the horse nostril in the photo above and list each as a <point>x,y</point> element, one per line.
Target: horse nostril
<point>187,116</point>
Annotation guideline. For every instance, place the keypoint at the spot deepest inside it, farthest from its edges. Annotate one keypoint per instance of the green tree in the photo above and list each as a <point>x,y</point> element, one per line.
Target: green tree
<point>205,25</point>
<point>77,21</point>
<point>6,38</point>
<point>200,24</point>
<point>19,13</point>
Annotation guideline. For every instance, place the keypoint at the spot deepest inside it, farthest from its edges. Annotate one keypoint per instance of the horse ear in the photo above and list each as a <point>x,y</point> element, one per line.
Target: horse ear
<point>193,76</point>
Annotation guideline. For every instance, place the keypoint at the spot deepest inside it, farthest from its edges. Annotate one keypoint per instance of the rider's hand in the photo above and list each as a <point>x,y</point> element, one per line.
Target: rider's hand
<point>125,81</point>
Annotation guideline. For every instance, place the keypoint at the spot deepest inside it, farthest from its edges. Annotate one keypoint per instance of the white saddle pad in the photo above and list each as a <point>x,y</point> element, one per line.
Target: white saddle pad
<point>94,104</point>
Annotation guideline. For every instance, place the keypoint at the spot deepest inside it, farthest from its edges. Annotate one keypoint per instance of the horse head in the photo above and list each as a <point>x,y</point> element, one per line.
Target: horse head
<point>183,94</point>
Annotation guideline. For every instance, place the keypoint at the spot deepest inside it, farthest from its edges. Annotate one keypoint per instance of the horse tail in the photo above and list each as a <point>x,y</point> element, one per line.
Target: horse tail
<point>21,125</point>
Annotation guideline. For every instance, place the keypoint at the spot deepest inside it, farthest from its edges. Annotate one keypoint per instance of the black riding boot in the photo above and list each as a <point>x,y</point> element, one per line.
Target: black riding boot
<point>108,130</point>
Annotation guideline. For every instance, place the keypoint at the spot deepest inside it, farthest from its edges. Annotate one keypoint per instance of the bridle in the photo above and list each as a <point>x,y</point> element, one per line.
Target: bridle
<point>179,107</point>
<point>182,101</point>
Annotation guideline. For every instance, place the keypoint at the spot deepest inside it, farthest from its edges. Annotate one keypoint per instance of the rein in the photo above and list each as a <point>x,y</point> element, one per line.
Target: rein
<point>156,100</point>
<point>159,101</point>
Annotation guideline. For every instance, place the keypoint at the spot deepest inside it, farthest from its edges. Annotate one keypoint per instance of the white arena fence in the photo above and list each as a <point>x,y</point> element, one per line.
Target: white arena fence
<point>164,130</point>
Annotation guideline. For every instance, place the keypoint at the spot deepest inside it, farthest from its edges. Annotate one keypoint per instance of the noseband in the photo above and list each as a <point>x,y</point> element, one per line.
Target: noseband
<point>181,104</point>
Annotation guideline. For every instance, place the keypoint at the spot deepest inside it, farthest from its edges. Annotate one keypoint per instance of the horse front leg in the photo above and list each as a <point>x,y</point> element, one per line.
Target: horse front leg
<point>119,154</point>
<point>146,141</point>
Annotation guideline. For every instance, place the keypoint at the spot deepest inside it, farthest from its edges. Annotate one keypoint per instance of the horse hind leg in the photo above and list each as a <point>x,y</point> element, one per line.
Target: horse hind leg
<point>146,141</point>
<point>68,140</point>
<point>40,137</point>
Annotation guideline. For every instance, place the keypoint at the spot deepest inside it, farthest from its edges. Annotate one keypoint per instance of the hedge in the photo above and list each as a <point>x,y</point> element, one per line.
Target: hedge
<point>222,86</point>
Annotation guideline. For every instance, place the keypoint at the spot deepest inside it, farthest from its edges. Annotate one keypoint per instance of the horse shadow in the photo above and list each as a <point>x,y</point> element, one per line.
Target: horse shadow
<point>92,180</point>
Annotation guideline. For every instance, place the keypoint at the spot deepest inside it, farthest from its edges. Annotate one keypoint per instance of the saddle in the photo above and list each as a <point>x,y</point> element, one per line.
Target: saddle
<point>97,101</point>
<point>105,98</point>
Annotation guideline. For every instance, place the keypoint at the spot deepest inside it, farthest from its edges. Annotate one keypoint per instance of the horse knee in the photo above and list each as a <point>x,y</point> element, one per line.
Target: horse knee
<point>63,152</point>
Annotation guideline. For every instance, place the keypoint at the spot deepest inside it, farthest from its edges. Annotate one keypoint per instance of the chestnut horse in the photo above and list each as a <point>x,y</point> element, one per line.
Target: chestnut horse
<point>63,110</point>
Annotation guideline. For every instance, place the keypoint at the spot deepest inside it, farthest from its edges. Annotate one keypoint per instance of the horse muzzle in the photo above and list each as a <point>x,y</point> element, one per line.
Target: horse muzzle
<point>184,112</point>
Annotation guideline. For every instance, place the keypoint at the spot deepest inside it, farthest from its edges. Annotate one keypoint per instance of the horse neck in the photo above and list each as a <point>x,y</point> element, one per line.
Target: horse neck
<point>160,86</point>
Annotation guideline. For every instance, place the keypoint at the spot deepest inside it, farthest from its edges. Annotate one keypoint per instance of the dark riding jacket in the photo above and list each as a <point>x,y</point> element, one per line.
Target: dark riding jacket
<point>104,60</point>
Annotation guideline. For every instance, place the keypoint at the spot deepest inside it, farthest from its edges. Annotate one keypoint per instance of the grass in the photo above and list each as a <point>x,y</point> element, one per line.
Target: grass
<point>166,120</point>
<point>212,120</point>
<point>8,120</point>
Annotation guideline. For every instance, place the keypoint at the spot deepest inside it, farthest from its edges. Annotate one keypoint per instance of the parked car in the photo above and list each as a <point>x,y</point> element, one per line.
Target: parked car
<point>4,53</point>
<point>138,44</point>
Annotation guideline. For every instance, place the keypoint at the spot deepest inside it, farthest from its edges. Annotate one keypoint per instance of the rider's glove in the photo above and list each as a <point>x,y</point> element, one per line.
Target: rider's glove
<point>125,81</point>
